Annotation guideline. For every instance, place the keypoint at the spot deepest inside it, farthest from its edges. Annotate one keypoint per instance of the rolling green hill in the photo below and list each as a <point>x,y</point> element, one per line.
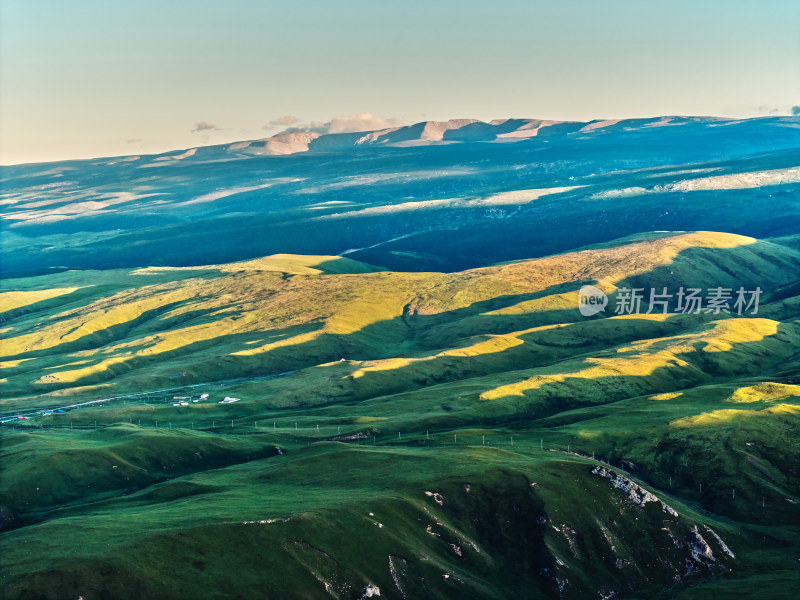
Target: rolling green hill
<point>424,434</point>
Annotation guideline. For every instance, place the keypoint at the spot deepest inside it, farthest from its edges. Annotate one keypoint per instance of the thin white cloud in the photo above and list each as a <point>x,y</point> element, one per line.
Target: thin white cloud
<point>203,126</point>
<point>285,121</point>
<point>361,122</point>
<point>347,124</point>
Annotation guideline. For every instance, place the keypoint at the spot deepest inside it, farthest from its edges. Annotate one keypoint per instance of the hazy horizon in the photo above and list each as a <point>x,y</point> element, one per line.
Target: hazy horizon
<point>224,142</point>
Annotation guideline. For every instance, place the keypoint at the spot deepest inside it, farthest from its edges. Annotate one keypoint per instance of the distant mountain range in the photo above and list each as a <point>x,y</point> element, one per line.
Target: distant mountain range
<point>464,130</point>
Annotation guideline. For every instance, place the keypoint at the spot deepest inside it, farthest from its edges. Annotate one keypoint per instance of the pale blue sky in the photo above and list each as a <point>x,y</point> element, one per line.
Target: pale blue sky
<point>83,78</point>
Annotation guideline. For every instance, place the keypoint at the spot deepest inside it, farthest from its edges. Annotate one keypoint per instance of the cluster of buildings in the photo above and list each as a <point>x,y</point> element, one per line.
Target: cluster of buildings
<point>25,417</point>
<point>185,400</point>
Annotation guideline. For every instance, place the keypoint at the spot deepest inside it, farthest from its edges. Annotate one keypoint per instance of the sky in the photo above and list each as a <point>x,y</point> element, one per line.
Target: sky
<point>89,78</point>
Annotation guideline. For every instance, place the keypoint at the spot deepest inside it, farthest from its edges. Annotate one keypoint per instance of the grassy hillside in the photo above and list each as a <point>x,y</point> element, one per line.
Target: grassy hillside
<point>154,328</point>
<point>465,434</point>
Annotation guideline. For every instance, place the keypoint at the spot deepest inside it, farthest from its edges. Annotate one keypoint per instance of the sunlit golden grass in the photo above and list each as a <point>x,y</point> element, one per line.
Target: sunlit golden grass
<point>724,416</point>
<point>291,341</point>
<point>612,263</point>
<point>666,396</point>
<point>97,317</point>
<point>410,324</point>
<point>638,366</point>
<point>618,260</point>
<point>74,375</point>
<point>294,264</point>
<point>563,301</point>
<point>643,358</point>
<point>646,317</point>
<point>16,299</point>
<point>737,331</point>
<point>495,344</point>
<point>765,392</point>
<point>9,364</point>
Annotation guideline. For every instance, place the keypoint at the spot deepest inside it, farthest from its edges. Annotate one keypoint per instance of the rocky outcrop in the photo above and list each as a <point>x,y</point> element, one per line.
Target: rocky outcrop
<point>636,493</point>
<point>371,591</point>
<point>699,547</point>
<point>437,497</point>
<point>722,544</point>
